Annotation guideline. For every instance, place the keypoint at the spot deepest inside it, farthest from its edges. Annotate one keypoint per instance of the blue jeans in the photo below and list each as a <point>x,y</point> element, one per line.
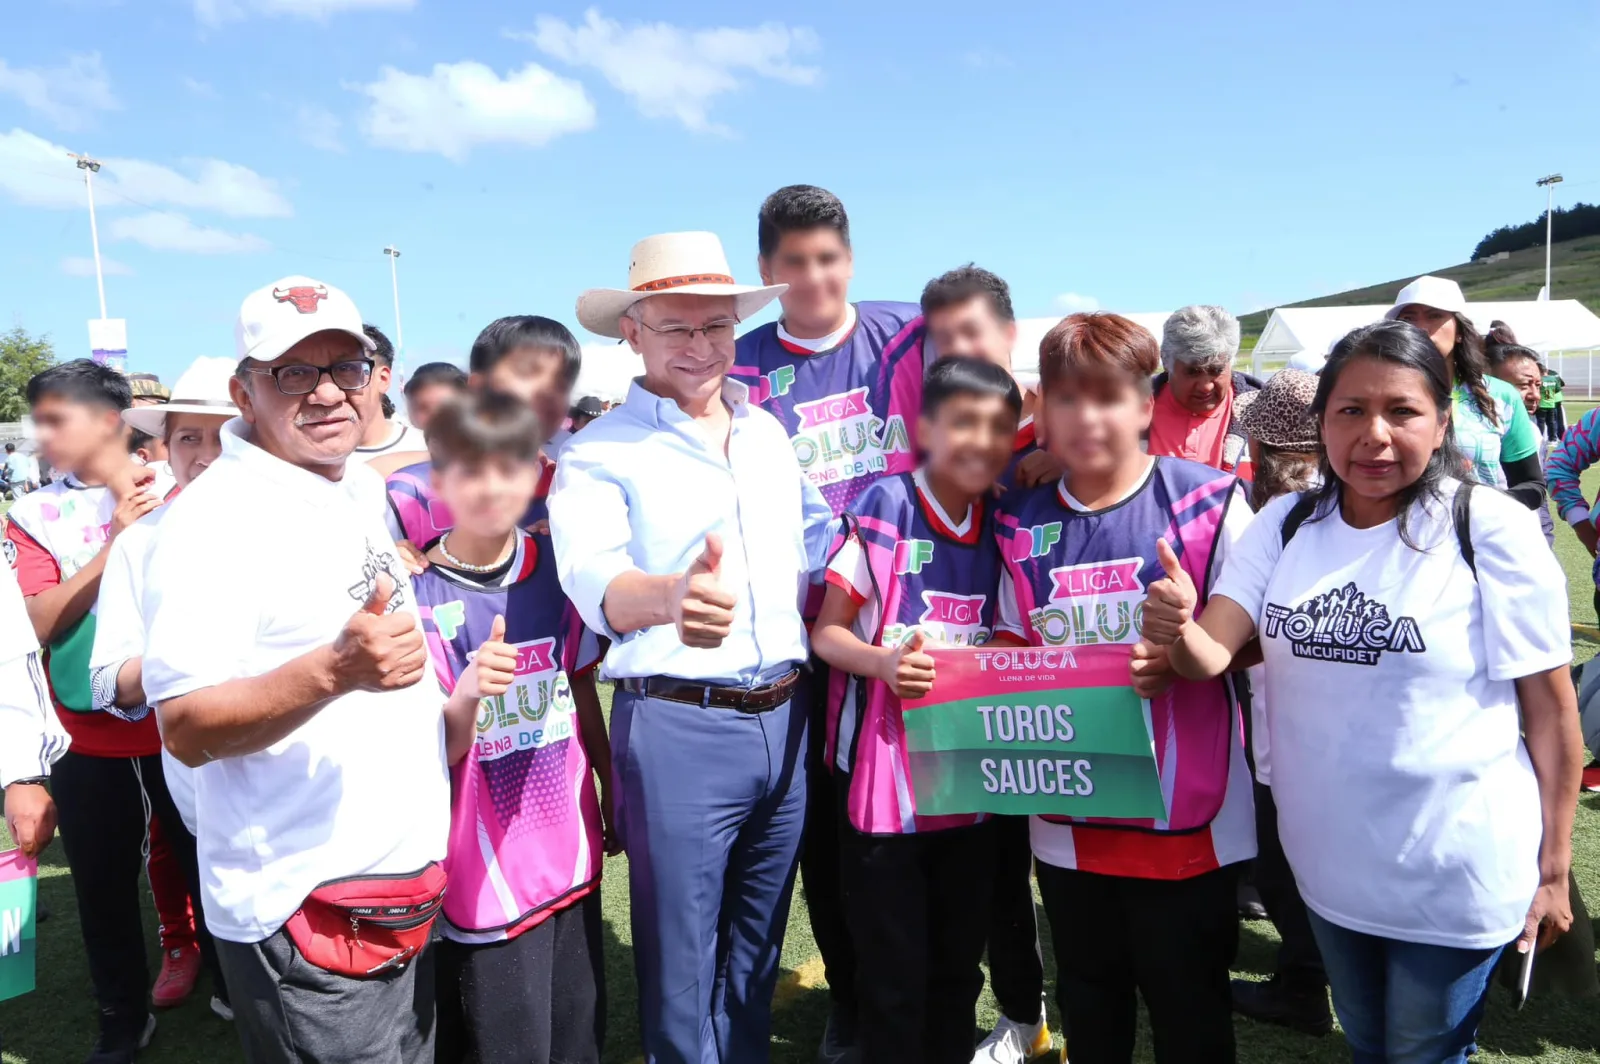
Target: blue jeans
<point>1404,1002</point>
<point>711,804</point>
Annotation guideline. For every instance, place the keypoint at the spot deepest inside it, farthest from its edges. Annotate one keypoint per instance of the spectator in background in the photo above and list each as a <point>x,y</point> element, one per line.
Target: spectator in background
<point>1491,426</point>
<point>533,358</point>
<point>1519,367</point>
<point>1193,414</point>
<point>147,389</point>
<point>584,411</point>
<point>18,468</point>
<point>380,434</point>
<point>430,385</point>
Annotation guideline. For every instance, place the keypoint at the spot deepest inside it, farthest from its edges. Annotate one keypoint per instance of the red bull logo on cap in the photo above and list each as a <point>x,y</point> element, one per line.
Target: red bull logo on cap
<point>303,297</point>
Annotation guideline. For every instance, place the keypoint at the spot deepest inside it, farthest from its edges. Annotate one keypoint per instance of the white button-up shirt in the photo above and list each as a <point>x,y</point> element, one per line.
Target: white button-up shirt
<point>641,487</point>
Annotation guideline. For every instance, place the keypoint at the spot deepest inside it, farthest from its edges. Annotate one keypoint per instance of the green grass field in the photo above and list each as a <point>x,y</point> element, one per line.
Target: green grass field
<point>56,1023</point>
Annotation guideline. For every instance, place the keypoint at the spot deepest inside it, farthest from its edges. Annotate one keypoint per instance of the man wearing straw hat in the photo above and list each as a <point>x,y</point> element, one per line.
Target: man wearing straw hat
<point>685,531</point>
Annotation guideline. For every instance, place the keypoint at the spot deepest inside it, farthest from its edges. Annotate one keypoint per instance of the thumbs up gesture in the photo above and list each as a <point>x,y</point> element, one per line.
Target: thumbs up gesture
<point>907,669</point>
<point>701,608</point>
<point>379,650</point>
<point>494,666</point>
<point>1169,602</point>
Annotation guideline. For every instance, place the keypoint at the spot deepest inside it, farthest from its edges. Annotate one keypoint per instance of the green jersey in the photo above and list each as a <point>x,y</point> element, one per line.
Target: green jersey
<point>1550,391</point>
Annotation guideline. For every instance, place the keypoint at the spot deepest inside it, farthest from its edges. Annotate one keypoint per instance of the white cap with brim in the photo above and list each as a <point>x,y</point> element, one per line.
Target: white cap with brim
<point>275,318</point>
<point>691,264</point>
<point>203,389</point>
<point>1440,293</point>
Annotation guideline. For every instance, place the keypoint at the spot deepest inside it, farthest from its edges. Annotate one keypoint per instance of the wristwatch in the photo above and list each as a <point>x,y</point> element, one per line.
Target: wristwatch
<point>32,781</point>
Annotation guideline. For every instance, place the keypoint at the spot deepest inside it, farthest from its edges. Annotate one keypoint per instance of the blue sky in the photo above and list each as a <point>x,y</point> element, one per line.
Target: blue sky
<point>1133,156</point>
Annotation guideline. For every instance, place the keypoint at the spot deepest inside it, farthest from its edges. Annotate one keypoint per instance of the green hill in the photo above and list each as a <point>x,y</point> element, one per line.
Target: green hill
<point>1575,265</point>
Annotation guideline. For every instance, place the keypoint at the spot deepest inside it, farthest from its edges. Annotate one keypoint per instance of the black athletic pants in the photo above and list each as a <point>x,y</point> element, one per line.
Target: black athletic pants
<point>1299,960</point>
<point>1170,941</point>
<point>819,852</point>
<point>1016,968</point>
<point>101,812</point>
<point>911,902</point>
<point>537,999</point>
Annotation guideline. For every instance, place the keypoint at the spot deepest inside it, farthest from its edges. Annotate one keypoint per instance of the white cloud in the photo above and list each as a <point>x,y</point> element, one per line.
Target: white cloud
<point>68,95</point>
<point>170,231</point>
<point>986,59</point>
<point>318,127</point>
<point>462,105</point>
<point>216,12</point>
<point>1074,303</point>
<point>83,266</point>
<point>671,72</point>
<point>200,88</point>
<point>37,173</point>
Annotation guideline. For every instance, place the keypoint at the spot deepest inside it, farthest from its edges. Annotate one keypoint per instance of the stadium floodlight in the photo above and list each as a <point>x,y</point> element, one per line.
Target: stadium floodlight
<point>90,167</point>
<point>1548,183</point>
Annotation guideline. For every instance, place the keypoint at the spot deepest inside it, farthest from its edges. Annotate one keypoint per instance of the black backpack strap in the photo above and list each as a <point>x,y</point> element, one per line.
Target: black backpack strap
<point>1302,509</point>
<point>1461,513</point>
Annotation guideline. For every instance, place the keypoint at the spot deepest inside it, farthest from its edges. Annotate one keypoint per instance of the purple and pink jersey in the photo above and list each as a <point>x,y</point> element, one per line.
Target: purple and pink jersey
<point>907,568</point>
<point>525,828</point>
<point>419,516</point>
<point>850,411</point>
<point>1077,578</point>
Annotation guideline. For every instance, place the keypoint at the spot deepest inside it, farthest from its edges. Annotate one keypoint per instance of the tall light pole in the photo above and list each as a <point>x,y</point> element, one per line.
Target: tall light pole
<point>1549,185</point>
<point>394,280</point>
<point>90,167</point>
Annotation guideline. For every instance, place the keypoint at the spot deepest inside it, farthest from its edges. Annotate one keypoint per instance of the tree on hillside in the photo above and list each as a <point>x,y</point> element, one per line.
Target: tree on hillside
<point>21,356</point>
<point>1566,223</point>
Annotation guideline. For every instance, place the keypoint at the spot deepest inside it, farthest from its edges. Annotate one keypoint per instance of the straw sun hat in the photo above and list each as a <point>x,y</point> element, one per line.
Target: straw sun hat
<point>679,263</point>
<point>203,389</point>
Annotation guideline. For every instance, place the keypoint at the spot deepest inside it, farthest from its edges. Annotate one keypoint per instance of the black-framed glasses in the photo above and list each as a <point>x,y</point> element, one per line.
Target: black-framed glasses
<point>350,375</point>
<point>681,336</point>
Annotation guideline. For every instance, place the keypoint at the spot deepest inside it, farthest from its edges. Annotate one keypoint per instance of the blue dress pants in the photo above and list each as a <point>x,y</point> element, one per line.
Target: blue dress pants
<point>711,812</point>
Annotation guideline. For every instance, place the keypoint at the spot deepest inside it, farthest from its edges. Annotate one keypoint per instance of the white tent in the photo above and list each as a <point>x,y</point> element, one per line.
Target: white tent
<point>1556,326</point>
<point>608,368</point>
<point>1025,355</point>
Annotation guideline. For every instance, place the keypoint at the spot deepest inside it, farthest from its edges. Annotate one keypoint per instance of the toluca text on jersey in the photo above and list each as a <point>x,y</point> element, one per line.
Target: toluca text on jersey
<point>840,438</point>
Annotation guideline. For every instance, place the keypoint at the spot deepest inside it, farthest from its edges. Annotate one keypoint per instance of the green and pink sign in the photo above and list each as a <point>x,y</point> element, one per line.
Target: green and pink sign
<point>18,880</point>
<point>1046,730</point>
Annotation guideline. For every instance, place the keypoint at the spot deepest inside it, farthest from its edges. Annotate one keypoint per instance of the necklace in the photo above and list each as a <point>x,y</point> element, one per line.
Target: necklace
<point>464,566</point>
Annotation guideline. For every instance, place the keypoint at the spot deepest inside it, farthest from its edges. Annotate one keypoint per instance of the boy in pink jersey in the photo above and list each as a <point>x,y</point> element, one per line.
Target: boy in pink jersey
<point>917,563</point>
<point>521,976</point>
<point>1137,908</point>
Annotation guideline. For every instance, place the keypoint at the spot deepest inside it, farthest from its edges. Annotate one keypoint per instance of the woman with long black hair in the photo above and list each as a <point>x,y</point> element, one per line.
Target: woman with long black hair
<point>1425,743</point>
<point>1492,430</point>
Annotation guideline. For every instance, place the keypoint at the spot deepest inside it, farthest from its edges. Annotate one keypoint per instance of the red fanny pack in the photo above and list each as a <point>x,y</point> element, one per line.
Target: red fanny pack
<point>363,926</point>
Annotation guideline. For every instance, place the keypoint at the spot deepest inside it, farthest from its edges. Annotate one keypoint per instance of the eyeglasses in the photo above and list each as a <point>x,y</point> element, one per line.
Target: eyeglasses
<point>679,337</point>
<point>350,375</point>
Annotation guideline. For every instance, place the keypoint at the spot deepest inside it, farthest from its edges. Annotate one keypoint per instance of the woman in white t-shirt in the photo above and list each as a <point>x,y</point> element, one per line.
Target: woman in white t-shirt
<point>1425,742</point>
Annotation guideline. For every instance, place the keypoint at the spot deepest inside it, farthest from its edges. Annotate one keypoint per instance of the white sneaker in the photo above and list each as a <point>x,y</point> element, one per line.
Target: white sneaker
<point>1014,1043</point>
<point>221,1008</point>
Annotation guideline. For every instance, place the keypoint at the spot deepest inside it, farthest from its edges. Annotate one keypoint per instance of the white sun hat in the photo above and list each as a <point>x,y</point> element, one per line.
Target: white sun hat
<point>680,263</point>
<point>1440,293</point>
<point>275,318</point>
<point>203,389</point>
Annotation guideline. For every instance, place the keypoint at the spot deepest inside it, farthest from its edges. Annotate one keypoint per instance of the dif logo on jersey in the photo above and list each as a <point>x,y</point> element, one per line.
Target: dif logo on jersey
<point>910,555</point>
<point>1035,542</point>
<point>1097,602</point>
<point>1342,625</point>
<point>840,438</point>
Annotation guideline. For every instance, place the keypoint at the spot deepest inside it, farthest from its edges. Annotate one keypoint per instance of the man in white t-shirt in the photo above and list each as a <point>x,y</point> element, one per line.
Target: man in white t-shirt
<point>289,661</point>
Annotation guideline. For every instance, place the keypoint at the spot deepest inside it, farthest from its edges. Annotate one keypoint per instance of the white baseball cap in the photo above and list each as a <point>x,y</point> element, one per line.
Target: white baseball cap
<point>275,318</point>
<point>1440,293</point>
<point>203,389</point>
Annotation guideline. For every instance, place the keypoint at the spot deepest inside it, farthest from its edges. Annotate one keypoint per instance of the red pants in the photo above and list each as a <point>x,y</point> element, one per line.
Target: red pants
<point>173,910</point>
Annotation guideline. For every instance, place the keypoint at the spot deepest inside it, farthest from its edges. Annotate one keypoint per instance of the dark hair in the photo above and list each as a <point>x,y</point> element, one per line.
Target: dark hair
<point>10,447</point>
<point>138,438</point>
<point>1405,345</point>
<point>1500,354</point>
<point>431,373</point>
<point>383,350</point>
<point>82,381</point>
<point>1107,346</point>
<point>1280,472</point>
<point>1471,364</point>
<point>955,375</point>
<point>470,428</point>
<point>1499,333</point>
<point>968,282</point>
<point>386,405</point>
<point>794,208</point>
<point>503,336</point>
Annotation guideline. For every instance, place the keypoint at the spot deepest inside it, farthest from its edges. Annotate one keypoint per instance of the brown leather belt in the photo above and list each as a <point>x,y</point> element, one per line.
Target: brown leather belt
<point>743,699</point>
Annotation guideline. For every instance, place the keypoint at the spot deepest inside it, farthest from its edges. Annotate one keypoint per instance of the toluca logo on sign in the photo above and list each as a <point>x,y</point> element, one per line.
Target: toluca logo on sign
<point>1342,624</point>
<point>1035,542</point>
<point>303,297</point>
<point>910,555</point>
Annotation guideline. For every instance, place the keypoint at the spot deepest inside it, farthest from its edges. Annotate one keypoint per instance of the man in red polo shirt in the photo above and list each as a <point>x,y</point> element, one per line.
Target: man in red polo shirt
<point>56,539</point>
<point>1193,414</point>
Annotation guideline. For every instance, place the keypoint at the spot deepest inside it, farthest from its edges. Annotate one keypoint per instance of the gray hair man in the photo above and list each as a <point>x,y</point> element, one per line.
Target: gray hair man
<point>1193,416</point>
<point>685,531</point>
